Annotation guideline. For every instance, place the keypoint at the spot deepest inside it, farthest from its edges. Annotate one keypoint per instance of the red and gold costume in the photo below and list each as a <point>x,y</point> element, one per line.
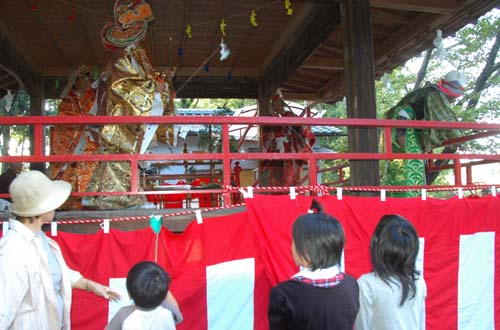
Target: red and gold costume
<point>132,89</point>
<point>64,140</point>
<point>284,139</point>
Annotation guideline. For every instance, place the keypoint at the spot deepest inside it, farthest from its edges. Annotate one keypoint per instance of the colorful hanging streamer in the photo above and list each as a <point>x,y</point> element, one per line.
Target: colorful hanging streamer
<point>288,7</point>
<point>253,19</point>
<point>189,31</point>
<point>72,17</point>
<point>155,223</point>
<point>222,26</point>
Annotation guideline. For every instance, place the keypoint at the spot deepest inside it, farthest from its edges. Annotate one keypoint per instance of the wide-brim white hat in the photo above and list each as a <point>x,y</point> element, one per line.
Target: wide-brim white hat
<point>34,194</point>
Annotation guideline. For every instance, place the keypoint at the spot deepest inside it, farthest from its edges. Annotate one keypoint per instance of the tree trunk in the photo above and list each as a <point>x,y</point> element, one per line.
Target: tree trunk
<point>488,70</point>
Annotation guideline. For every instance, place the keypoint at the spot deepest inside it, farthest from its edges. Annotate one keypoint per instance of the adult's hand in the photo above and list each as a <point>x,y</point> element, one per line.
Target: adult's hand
<point>98,289</point>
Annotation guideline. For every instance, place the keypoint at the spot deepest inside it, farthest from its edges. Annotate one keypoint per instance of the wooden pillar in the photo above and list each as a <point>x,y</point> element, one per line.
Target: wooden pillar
<point>360,87</point>
<point>263,103</point>
<point>37,109</point>
<point>263,109</point>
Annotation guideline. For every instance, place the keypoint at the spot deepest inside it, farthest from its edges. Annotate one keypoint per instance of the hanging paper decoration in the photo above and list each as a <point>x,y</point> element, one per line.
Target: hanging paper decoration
<point>222,26</point>
<point>57,83</point>
<point>34,5</point>
<point>386,81</point>
<point>224,51</point>
<point>206,68</point>
<point>8,100</point>
<point>155,223</point>
<point>288,7</point>
<point>189,31</point>
<point>253,19</point>
<point>72,17</point>
<point>180,51</point>
<point>438,43</point>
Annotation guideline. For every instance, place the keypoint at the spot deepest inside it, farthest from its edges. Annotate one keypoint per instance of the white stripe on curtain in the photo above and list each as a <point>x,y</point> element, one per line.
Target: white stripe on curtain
<point>476,281</point>
<point>230,295</point>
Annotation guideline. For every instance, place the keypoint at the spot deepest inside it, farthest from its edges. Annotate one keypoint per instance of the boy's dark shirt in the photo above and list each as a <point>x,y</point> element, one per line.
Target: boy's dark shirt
<point>295,305</point>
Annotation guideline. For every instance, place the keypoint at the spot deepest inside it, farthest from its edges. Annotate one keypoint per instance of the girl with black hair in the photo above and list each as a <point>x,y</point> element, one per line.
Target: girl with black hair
<point>393,295</point>
<point>320,296</point>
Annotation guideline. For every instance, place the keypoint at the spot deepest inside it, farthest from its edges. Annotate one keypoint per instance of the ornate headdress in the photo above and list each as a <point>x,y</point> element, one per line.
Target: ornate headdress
<point>453,84</point>
<point>129,25</point>
<point>75,73</point>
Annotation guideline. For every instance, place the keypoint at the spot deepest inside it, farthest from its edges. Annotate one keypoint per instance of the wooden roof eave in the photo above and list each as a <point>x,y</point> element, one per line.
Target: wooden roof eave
<point>412,39</point>
<point>17,65</point>
<point>323,19</point>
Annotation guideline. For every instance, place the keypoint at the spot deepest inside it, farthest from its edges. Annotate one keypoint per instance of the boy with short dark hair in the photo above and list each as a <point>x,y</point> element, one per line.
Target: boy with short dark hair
<point>320,296</point>
<point>147,285</point>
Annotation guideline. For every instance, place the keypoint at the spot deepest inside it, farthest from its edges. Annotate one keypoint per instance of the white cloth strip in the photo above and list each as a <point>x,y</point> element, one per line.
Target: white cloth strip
<point>424,194</point>
<point>53,228</point>
<point>105,226</point>
<point>199,218</point>
<point>230,295</point>
<point>476,282</point>
<point>382,195</point>
<point>339,193</point>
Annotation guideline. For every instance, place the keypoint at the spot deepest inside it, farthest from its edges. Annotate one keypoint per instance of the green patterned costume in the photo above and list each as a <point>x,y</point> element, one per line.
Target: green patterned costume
<point>427,103</point>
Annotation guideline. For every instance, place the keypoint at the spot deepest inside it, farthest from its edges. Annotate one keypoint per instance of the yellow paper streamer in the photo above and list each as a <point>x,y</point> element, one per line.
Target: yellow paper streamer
<point>253,19</point>
<point>189,31</point>
<point>222,26</point>
<point>288,7</point>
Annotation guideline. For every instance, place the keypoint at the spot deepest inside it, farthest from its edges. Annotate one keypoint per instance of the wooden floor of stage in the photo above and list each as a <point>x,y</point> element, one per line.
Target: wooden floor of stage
<point>172,220</point>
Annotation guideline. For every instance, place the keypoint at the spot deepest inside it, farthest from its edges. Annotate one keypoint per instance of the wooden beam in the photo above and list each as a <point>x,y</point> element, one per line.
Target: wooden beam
<point>324,63</point>
<point>319,1</point>
<point>315,28</point>
<point>360,87</point>
<point>217,87</point>
<point>263,103</point>
<point>300,85</point>
<point>332,88</point>
<point>312,75</point>
<point>332,49</point>
<point>443,7</point>
<point>14,61</point>
<point>291,96</point>
<point>198,87</point>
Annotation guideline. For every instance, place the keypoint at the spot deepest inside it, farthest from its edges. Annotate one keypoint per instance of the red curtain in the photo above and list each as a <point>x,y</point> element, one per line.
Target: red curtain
<point>263,233</point>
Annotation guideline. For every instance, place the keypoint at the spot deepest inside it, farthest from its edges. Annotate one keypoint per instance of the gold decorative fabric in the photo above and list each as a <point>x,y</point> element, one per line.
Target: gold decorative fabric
<point>130,88</point>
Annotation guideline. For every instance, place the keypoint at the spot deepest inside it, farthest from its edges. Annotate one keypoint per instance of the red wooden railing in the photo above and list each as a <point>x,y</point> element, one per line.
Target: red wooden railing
<point>226,157</point>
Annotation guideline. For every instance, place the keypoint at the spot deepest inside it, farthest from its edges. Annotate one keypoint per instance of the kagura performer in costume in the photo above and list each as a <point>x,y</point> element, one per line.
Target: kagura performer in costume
<point>431,102</point>
<point>133,88</point>
<point>78,99</point>
<point>284,139</point>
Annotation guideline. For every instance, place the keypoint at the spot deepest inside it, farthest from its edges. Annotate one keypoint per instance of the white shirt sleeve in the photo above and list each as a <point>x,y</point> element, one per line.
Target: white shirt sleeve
<point>422,311</point>
<point>364,319</point>
<point>13,288</point>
